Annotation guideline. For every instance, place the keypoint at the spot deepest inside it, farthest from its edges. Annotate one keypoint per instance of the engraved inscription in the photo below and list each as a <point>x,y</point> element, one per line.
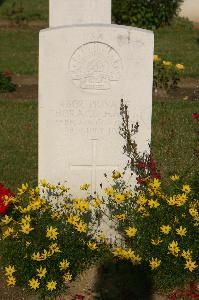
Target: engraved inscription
<point>94,66</point>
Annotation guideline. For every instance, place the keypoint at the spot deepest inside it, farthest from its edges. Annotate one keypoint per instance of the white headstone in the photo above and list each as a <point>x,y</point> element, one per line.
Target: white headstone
<point>85,71</point>
<point>68,12</point>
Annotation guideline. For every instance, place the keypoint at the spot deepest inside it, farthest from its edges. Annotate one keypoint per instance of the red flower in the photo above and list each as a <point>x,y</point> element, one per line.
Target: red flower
<point>194,295</point>
<point>141,165</point>
<point>195,115</point>
<point>79,297</point>
<point>172,297</point>
<point>6,73</point>
<point>4,192</point>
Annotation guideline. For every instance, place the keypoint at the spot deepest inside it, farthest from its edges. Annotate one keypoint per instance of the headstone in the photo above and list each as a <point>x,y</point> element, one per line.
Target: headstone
<point>86,66</point>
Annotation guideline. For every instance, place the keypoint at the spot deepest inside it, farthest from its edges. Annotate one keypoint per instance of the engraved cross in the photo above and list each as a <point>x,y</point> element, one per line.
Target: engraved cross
<point>94,167</point>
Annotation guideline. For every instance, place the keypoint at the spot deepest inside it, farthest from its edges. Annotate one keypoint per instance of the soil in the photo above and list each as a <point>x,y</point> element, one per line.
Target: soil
<point>27,88</point>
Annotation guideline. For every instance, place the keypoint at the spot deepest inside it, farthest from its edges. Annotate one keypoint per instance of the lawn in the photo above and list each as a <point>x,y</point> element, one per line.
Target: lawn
<point>173,139</point>
<point>179,43</point>
<point>18,143</point>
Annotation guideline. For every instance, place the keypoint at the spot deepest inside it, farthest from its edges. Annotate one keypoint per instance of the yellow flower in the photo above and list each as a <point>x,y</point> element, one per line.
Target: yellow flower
<point>81,227</point>
<point>119,198</point>
<point>165,229</point>
<point>173,248</point>
<point>81,204</point>
<point>172,200</point>
<point>175,177</point>
<point>181,199</point>
<point>26,229</point>
<point>64,264</point>
<point>73,219</point>
<point>67,277</point>
<point>26,219</point>
<point>25,210</point>
<point>54,248</point>
<point>9,270</point>
<point>8,232</point>
<point>97,202</point>
<point>52,233</point>
<point>191,265</point>
<point>34,283</point>
<point>41,272</point>
<point>11,281</point>
<point>36,256</point>
<point>92,246</point>
<point>131,231</point>
<point>28,244</point>
<point>23,189</point>
<point>128,194</point>
<point>167,63</point>
<point>193,212</point>
<point>51,285</point>
<point>181,231</point>
<point>36,204</point>
<point>156,57</point>
<point>155,184</point>
<point>180,67</point>
<point>156,242</point>
<point>43,182</point>
<point>84,187</point>
<point>153,203</point>
<point>116,175</point>
<point>121,217</point>
<point>186,254</point>
<point>109,191</point>
<point>141,200</point>
<point>6,220</point>
<point>136,259</point>
<point>186,189</point>
<point>154,263</point>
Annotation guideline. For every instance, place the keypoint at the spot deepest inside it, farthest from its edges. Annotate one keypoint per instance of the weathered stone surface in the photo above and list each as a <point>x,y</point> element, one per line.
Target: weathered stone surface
<point>85,71</point>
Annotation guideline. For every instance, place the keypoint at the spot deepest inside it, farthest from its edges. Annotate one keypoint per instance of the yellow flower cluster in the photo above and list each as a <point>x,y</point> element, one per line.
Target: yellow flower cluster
<point>53,248</point>
<point>79,225</point>
<point>129,254</point>
<point>11,279</point>
<point>81,204</point>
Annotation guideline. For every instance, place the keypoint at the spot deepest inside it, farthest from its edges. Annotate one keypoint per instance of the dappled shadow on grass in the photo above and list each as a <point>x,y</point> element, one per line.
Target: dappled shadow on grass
<point>122,281</point>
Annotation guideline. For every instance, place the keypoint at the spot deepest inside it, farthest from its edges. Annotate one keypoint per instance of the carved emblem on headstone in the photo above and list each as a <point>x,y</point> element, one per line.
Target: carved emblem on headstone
<point>95,65</point>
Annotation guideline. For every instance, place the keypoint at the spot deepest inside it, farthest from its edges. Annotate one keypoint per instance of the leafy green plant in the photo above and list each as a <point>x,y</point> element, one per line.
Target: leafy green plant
<point>166,74</point>
<point>147,14</point>
<point>157,220</point>
<point>49,238</point>
<point>6,84</point>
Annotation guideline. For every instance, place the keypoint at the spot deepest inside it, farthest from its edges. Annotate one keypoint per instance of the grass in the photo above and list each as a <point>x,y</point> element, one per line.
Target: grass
<point>173,140</point>
<point>18,143</point>
<point>178,43</point>
<point>20,10</point>
<point>19,50</point>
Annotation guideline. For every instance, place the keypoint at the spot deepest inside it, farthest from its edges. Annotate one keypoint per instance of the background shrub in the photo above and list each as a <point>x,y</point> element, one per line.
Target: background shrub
<point>145,13</point>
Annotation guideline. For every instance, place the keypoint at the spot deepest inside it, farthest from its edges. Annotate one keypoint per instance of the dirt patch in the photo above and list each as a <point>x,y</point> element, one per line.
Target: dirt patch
<point>4,23</point>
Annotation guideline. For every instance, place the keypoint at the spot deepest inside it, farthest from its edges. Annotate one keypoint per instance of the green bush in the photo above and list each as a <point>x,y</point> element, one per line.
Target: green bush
<point>147,14</point>
<point>6,84</point>
<point>46,241</point>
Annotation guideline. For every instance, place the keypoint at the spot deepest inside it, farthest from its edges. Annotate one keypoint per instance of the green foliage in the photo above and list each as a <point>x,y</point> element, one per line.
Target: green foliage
<point>146,14</point>
<point>166,74</point>
<point>6,84</point>
<point>49,237</point>
<point>158,222</point>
